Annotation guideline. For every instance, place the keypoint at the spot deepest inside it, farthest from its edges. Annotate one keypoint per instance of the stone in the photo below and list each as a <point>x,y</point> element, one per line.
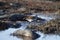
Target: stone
<point>17,17</point>
<point>35,19</point>
<point>6,25</point>
<point>16,25</point>
<point>26,34</point>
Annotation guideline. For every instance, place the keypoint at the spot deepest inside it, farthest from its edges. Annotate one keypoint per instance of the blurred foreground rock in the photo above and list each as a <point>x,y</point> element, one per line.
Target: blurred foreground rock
<point>26,34</point>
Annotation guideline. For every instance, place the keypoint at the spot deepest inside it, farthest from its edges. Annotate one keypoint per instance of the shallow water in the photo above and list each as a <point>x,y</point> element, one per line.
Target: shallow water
<point>48,37</point>
<point>5,35</point>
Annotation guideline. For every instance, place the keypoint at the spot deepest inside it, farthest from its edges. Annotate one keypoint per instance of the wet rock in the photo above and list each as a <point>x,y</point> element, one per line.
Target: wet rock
<point>4,25</point>
<point>35,35</point>
<point>16,25</point>
<point>36,19</point>
<point>17,17</point>
<point>26,34</point>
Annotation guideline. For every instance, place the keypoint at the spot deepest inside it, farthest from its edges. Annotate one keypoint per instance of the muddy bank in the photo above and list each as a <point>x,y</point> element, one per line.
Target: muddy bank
<point>30,6</point>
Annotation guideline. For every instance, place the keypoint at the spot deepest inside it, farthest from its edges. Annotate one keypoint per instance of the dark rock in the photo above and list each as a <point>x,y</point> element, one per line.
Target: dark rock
<point>2,3</point>
<point>3,26</point>
<point>17,17</point>
<point>17,25</point>
<point>35,35</point>
<point>37,18</point>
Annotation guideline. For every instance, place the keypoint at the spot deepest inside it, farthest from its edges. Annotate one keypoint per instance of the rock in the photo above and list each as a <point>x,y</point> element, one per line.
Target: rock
<point>16,25</point>
<point>35,18</point>
<point>6,25</point>
<point>3,26</point>
<point>17,17</point>
<point>26,34</point>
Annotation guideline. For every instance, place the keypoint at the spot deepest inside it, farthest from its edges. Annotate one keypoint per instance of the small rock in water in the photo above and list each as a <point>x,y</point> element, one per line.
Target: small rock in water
<point>26,34</point>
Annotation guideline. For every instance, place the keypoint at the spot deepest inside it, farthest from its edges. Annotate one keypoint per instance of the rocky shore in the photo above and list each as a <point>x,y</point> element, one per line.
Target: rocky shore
<point>36,13</point>
<point>51,27</point>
